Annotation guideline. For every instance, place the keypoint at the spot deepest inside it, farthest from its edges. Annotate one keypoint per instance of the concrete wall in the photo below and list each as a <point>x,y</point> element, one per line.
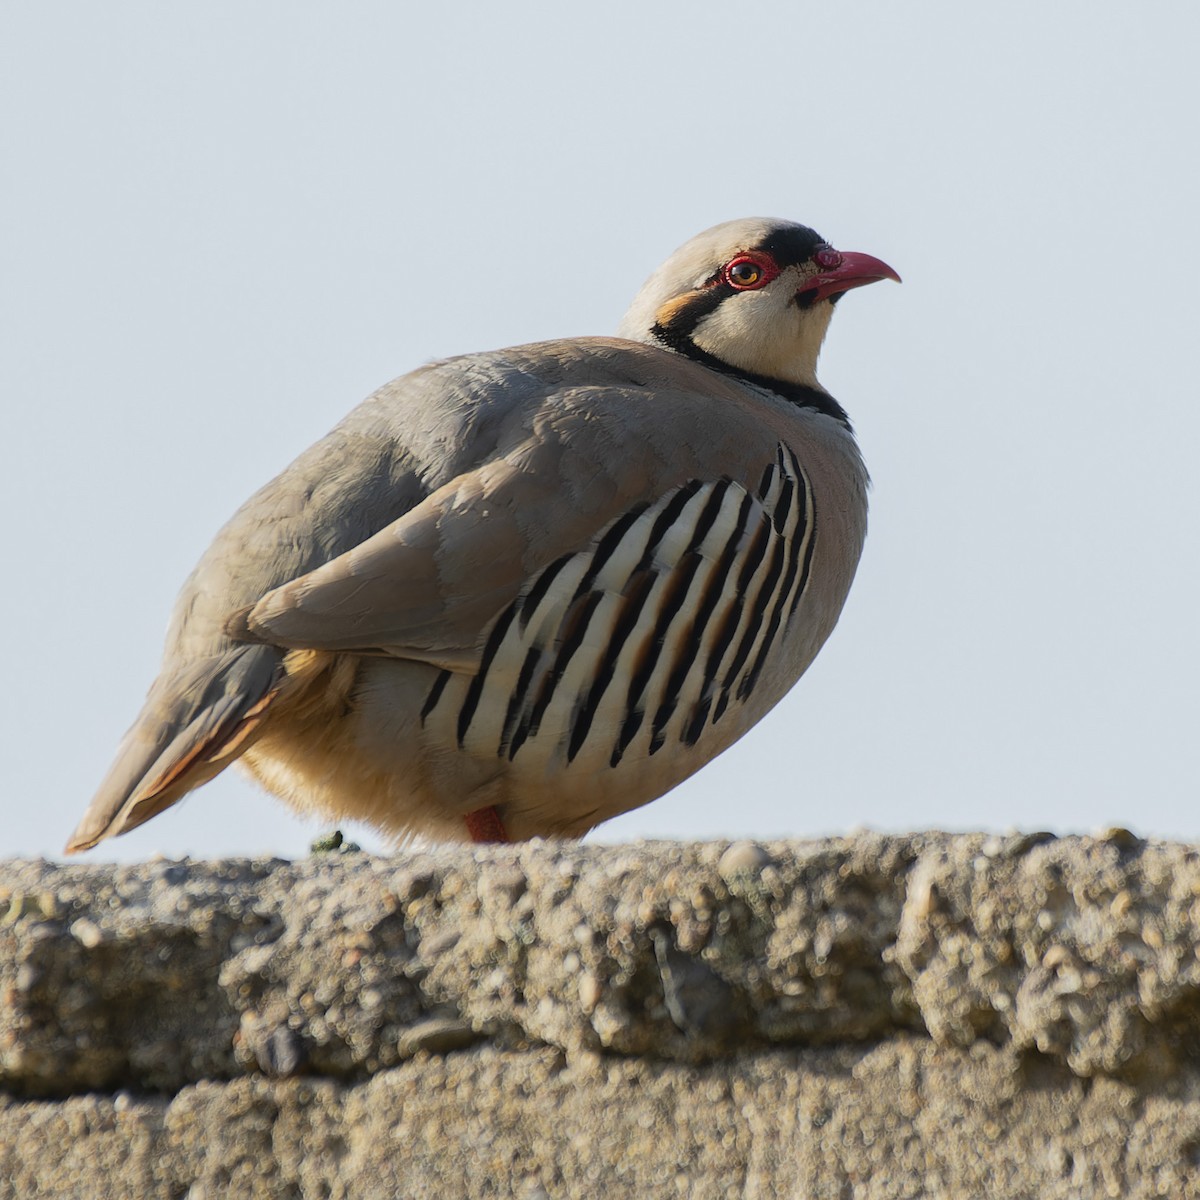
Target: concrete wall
<point>926,1016</point>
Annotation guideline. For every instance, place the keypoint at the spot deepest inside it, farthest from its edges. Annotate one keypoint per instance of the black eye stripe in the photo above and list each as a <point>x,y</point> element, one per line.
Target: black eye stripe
<point>785,248</point>
<point>687,316</point>
<point>792,245</point>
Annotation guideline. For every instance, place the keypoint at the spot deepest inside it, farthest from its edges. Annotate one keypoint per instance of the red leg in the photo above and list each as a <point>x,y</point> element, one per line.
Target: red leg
<point>484,825</point>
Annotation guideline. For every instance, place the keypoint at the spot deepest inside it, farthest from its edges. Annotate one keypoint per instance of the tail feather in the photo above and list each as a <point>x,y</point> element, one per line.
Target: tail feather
<point>194,723</point>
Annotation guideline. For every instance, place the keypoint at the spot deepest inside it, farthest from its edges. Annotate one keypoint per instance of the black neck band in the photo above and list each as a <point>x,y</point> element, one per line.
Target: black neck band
<point>795,393</point>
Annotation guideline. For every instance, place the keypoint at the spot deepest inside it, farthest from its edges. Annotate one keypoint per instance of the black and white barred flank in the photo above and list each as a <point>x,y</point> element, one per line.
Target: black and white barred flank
<point>673,609</point>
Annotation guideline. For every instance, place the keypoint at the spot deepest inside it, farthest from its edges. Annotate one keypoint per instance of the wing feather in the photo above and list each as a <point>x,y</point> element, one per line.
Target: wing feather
<point>429,585</point>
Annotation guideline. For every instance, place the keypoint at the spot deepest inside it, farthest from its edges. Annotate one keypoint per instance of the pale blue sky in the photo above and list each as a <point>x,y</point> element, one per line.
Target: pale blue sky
<point>224,224</point>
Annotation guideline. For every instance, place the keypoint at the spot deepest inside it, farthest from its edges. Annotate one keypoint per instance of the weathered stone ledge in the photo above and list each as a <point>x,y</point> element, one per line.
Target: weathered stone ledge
<point>904,1118</point>
<point>745,1014</point>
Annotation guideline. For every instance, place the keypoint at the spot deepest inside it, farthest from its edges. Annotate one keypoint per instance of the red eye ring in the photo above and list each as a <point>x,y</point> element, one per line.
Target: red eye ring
<point>746,273</point>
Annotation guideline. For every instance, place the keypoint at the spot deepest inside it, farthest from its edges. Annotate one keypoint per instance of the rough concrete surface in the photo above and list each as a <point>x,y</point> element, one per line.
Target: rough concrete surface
<point>922,1016</point>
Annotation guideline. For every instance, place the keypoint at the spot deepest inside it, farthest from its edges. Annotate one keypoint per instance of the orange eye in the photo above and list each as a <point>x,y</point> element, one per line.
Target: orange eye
<point>746,273</point>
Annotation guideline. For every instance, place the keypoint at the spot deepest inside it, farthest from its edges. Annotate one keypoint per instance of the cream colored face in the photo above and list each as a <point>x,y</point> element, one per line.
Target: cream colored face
<point>732,296</point>
<point>753,298</point>
<point>766,331</point>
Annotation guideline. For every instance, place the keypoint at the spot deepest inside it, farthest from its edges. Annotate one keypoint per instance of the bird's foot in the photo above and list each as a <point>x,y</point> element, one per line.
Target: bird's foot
<point>485,825</point>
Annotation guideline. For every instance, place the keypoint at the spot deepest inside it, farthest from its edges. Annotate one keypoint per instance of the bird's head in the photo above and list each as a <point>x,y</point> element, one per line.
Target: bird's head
<point>753,297</point>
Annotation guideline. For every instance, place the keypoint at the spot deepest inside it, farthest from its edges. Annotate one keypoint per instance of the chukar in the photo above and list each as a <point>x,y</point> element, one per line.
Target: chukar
<point>520,592</point>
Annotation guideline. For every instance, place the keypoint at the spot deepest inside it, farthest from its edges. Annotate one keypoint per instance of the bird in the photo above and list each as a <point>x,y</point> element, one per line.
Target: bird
<point>516,593</point>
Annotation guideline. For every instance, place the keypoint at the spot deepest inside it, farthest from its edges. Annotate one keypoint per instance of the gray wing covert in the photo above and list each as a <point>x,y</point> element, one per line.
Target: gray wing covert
<point>429,584</point>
